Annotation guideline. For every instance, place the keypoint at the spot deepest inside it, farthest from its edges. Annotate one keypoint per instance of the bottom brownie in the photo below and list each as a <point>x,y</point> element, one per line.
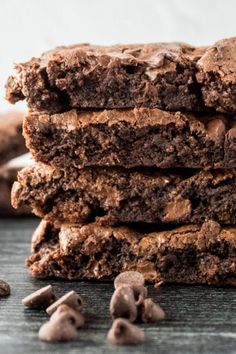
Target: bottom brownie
<point>189,254</point>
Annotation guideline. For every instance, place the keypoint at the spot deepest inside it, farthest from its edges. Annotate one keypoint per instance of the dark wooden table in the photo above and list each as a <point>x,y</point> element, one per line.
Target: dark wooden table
<point>199,319</point>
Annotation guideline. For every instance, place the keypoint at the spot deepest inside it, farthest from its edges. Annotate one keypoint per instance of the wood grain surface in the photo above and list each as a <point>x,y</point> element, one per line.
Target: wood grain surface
<point>200,319</point>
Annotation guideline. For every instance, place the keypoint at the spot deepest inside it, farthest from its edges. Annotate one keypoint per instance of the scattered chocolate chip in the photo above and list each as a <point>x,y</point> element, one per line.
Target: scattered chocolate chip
<point>40,299</point>
<point>123,303</point>
<point>59,331</point>
<point>65,312</point>
<point>5,289</point>
<point>131,278</point>
<point>151,312</point>
<point>123,332</point>
<point>71,299</point>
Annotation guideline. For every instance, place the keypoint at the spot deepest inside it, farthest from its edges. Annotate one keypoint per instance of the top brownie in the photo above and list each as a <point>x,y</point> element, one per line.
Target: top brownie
<point>83,76</point>
<point>169,76</point>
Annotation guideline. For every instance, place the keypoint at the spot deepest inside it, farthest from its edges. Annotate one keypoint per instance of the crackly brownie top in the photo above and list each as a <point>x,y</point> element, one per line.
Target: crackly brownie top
<point>215,125</point>
<point>155,55</point>
<point>138,117</point>
<point>220,59</point>
<point>89,238</point>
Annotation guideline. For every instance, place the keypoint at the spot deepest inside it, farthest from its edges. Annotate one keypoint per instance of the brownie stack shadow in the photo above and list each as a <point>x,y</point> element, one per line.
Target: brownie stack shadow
<point>135,150</point>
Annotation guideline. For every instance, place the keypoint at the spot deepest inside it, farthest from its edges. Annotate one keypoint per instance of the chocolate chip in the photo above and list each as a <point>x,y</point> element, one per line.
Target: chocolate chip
<point>140,292</point>
<point>216,129</point>
<point>123,303</point>
<point>63,325</point>
<point>4,288</point>
<point>71,299</point>
<point>177,210</point>
<point>41,298</point>
<point>136,281</point>
<point>65,312</point>
<point>58,331</point>
<point>151,312</point>
<point>123,332</point>
<point>131,278</point>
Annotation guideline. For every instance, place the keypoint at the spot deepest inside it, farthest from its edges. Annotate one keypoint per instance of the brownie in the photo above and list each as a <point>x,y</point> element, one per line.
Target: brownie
<point>131,138</point>
<point>113,196</point>
<point>8,175</point>
<point>217,75</point>
<point>159,75</point>
<point>189,254</point>
<point>12,143</point>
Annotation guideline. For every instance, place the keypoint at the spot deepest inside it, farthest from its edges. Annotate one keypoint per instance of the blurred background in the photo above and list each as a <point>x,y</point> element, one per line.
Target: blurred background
<point>29,27</point>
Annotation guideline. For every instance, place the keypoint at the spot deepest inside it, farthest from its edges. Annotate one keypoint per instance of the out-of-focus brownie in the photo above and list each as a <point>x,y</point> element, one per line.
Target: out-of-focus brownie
<point>8,175</point>
<point>217,75</point>
<point>159,75</point>
<point>113,196</point>
<point>12,143</point>
<point>131,138</point>
<point>189,254</point>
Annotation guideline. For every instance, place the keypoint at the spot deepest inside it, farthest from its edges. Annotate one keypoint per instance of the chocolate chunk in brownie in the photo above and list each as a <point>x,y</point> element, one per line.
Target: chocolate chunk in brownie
<point>122,76</point>
<point>217,75</point>
<point>230,145</point>
<point>12,143</point>
<point>115,196</point>
<point>131,138</point>
<point>188,254</point>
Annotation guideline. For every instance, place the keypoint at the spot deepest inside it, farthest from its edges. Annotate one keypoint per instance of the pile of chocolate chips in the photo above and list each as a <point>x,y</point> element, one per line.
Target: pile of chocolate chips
<point>66,314</point>
<point>129,303</point>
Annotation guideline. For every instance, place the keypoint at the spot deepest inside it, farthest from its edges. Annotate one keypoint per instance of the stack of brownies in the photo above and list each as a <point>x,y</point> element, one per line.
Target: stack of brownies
<point>136,149</point>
